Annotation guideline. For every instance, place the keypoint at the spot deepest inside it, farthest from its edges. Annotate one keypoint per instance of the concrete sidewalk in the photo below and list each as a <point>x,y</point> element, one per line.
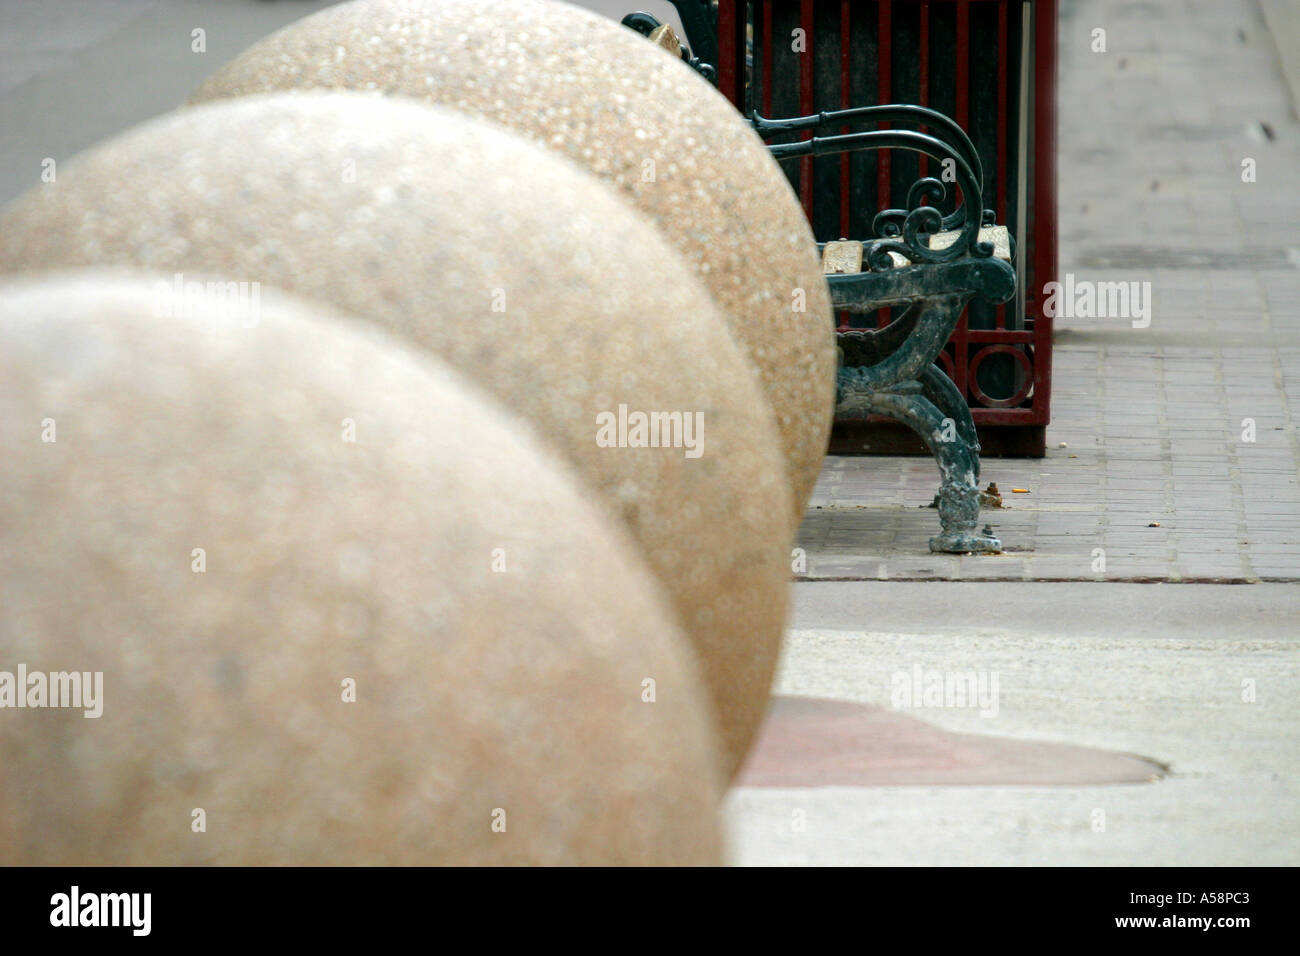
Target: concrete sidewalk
<point>1202,678</point>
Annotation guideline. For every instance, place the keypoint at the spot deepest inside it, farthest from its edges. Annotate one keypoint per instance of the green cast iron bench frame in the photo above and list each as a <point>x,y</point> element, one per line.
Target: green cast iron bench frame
<point>926,265</point>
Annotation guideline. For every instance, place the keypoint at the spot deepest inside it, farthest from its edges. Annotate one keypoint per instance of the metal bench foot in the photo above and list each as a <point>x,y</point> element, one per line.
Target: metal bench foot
<point>954,450</point>
<point>959,512</point>
<point>929,264</point>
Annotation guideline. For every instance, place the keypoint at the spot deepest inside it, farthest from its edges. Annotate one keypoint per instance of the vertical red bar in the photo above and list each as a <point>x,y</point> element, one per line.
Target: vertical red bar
<point>1001,183</point>
<point>925,74</point>
<point>806,101</point>
<point>963,92</point>
<point>767,57</point>
<point>1003,117</point>
<point>884,67</point>
<point>960,340</point>
<point>961,334</point>
<point>731,70</point>
<point>1044,172</point>
<point>963,62</point>
<point>846,95</point>
<point>884,70</point>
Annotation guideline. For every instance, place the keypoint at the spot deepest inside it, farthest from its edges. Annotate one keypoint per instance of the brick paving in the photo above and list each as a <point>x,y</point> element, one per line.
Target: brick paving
<point>1154,419</point>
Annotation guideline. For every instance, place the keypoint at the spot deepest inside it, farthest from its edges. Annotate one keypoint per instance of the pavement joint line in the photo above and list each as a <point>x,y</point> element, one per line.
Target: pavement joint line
<point>1138,579</point>
<point>1103,477</point>
<point>1166,465</point>
<point>1288,420</point>
<point>1234,474</point>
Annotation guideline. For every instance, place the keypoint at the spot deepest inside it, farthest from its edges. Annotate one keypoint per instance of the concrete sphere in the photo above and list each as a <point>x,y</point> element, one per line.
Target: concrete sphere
<point>515,266</point>
<point>632,114</point>
<point>443,561</point>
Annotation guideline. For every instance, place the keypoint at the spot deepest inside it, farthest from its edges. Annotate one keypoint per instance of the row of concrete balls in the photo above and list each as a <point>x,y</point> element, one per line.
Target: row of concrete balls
<point>558,652</point>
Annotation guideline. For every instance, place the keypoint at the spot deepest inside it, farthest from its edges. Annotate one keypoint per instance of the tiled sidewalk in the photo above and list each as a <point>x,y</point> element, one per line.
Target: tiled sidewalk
<point>1154,419</point>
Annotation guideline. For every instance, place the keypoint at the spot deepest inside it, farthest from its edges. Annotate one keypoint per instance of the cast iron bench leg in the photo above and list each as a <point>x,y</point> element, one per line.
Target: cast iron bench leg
<point>933,261</point>
<point>959,497</point>
<point>944,394</point>
<point>908,387</point>
<point>957,458</point>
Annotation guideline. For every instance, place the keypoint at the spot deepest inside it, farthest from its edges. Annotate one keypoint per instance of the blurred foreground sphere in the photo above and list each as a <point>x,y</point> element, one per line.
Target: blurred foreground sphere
<point>634,115</point>
<point>345,610</point>
<point>515,266</point>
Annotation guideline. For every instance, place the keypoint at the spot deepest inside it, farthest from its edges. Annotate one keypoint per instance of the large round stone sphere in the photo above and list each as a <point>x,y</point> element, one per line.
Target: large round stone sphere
<point>519,269</point>
<point>345,610</point>
<point>635,116</point>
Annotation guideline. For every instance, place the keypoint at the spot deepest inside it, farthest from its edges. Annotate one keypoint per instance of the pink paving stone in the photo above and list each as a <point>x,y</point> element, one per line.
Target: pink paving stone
<point>814,742</point>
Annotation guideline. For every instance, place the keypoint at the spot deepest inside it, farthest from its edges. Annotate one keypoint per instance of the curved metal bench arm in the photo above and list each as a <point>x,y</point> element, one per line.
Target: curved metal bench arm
<point>895,375</point>
<point>921,116</point>
<point>920,220</point>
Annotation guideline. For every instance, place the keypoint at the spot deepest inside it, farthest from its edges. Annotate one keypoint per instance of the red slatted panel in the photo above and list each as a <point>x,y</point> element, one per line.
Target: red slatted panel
<point>1039,243</point>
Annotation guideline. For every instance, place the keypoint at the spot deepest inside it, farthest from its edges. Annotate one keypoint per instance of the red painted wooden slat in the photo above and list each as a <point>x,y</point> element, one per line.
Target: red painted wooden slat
<point>884,66</point>
<point>1003,119</point>
<point>963,63</point>
<point>925,74</point>
<point>767,57</point>
<point>806,102</point>
<point>1044,227</point>
<point>884,69</point>
<point>846,96</point>
<point>731,68</point>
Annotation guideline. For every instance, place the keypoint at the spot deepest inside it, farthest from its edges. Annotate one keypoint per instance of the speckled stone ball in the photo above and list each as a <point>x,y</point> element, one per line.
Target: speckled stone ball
<point>518,268</point>
<point>346,610</point>
<point>631,113</point>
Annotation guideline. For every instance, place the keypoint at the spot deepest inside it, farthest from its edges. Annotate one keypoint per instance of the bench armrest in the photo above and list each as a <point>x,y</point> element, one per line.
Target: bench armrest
<point>899,231</point>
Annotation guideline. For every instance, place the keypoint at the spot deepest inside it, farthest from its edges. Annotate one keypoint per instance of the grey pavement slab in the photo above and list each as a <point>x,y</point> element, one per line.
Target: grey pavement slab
<point>1202,678</point>
<point>74,73</point>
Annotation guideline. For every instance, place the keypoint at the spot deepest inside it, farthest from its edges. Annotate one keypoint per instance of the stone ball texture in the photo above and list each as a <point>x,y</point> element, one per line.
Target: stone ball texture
<point>516,267</point>
<point>481,693</point>
<point>634,115</point>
